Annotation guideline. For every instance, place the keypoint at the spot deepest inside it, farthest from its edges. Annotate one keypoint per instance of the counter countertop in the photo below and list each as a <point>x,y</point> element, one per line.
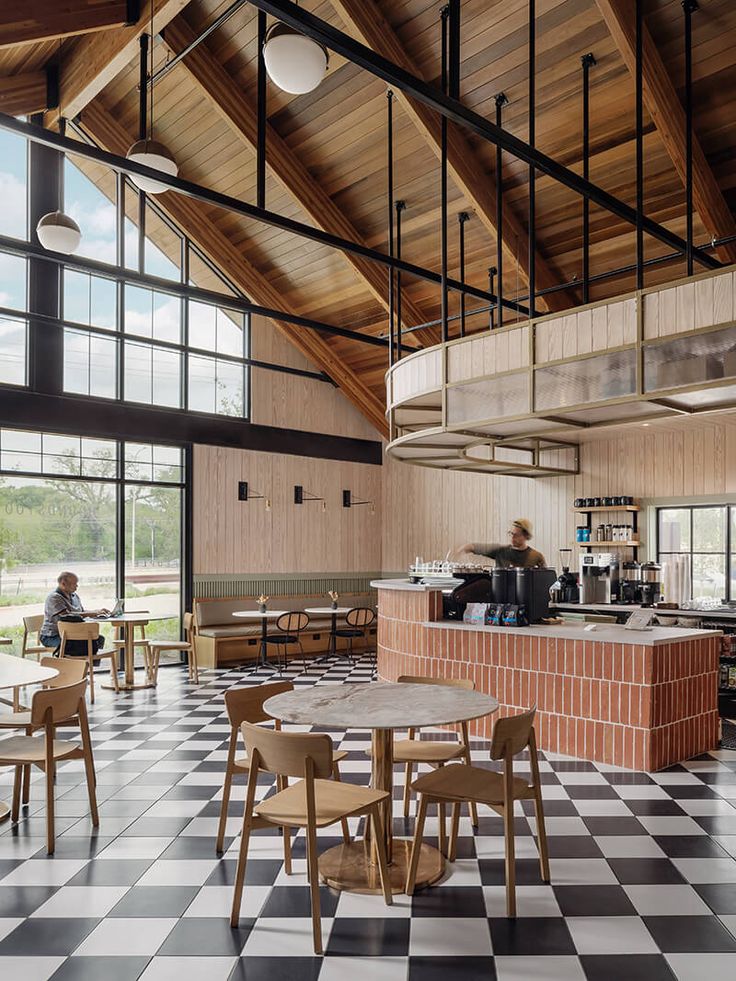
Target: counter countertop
<point>416,587</point>
<point>603,633</point>
<point>632,607</point>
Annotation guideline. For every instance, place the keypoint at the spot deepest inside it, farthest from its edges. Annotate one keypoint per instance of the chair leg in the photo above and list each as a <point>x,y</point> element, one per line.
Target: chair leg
<point>344,821</point>
<point>541,837</point>
<point>223,810</point>
<point>26,783</point>
<point>314,888</point>
<point>89,769</point>
<point>192,662</point>
<point>17,781</point>
<point>508,831</point>
<point>287,850</point>
<point>416,847</point>
<point>380,843</point>
<point>91,673</point>
<point>240,871</point>
<point>50,843</point>
<point>408,771</point>
<point>114,673</point>
<point>454,829</point>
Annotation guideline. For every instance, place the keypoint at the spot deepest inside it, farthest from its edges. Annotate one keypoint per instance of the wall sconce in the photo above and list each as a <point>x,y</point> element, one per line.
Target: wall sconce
<point>304,497</point>
<point>245,494</point>
<point>348,502</point>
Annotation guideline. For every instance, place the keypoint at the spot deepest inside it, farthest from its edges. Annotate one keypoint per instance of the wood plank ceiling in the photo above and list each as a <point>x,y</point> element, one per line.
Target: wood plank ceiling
<point>328,148</point>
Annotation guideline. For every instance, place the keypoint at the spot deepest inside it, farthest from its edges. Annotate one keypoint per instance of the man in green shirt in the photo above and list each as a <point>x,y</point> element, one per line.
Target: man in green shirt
<point>517,554</point>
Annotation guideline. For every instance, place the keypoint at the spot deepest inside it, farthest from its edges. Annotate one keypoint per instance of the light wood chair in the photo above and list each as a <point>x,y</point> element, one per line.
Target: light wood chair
<point>31,637</point>
<point>459,783</point>
<point>434,752</point>
<point>292,626</point>
<point>152,653</point>
<point>316,801</point>
<point>246,705</point>
<point>88,632</point>
<point>50,708</point>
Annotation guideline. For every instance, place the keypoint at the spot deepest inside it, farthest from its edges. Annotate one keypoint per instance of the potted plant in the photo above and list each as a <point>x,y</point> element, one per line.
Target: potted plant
<point>262,600</point>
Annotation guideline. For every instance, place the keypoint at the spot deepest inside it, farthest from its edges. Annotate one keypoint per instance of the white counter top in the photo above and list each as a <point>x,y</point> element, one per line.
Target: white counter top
<point>603,633</point>
<point>415,587</point>
<point>631,607</point>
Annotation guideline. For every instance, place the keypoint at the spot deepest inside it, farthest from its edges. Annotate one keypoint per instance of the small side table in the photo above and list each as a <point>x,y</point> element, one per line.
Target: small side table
<point>264,618</point>
<point>334,613</point>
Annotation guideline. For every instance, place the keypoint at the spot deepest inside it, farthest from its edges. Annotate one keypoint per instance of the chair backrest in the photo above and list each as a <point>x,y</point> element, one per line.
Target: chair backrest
<point>78,631</point>
<point>71,671</point>
<point>62,703</point>
<point>246,704</point>
<point>32,625</point>
<point>286,753</point>
<point>360,616</point>
<point>293,623</point>
<point>188,626</point>
<point>465,683</point>
<point>514,731</point>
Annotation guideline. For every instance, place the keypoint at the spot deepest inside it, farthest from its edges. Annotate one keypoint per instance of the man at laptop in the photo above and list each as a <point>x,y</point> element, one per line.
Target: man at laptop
<point>62,602</point>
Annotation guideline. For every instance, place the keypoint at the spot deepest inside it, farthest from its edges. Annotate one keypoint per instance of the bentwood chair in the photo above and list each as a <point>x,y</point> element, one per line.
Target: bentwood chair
<point>292,626</point>
<point>50,708</point>
<point>31,637</point>
<point>88,632</point>
<point>187,646</point>
<point>358,621</point>
<point>460,783</point>
<point>316,801</point>
<point>246,705</point>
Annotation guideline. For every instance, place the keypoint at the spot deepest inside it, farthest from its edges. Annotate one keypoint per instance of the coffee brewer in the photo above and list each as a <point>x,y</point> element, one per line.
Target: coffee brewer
<point>630,584</point>
<point>650,587</point>
<point>599,578</point>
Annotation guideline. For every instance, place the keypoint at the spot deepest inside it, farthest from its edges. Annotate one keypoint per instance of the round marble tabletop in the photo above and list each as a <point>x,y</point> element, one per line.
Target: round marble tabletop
<point>379,705</point>
<point>256,614</point>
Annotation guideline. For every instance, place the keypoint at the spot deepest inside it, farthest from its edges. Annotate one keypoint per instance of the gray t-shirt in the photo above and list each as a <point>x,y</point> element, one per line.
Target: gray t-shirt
<point>508,557</point>
<point>58,604</point>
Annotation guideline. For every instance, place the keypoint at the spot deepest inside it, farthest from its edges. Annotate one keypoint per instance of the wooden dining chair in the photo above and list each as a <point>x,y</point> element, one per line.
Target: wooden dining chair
<point>316,801</point>
<point>51,708</point>
<point>89,632</point>
<point>246,705</point>
<point>31,637</point>
<point>460,783</point>
<point>186,646</point>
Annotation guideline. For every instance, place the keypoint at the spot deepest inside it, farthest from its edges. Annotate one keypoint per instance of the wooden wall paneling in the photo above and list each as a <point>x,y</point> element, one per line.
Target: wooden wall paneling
<point>668,312</point>
<point>723,298</point>
<point>569,336</point>
<point>651,316</point>
<point>685,307</point>
<point>615,329</point>
<point>704,302</point>
<point>600,328</point>
<point>584,327</point>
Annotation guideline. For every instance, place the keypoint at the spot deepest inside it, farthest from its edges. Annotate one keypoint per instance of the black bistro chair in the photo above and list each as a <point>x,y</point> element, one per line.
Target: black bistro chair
<point>292,626</point>
<point>358,621</point>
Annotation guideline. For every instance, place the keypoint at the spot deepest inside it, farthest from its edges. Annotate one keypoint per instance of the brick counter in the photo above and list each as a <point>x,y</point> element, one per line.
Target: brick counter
<point>638,702</point>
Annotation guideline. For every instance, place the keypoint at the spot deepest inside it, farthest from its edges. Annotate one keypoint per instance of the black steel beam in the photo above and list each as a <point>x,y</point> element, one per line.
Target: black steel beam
<point>639,98</point>
<point>390,197</point>
<point>400,206</point>
<point>500,101</point>
<point>452,109</point>
<point>198,193</point>
<point>532,45</point>
<point>689,7</point>
<point>202,36</point>
<point>262,93</point>
<point>461,219</point>
<point>444,16</point>
<point>587,60</point>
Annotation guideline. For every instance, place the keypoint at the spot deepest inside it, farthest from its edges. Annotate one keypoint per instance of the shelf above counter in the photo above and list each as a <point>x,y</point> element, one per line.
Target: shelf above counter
<point>620,507</point>
<point>627,544</point>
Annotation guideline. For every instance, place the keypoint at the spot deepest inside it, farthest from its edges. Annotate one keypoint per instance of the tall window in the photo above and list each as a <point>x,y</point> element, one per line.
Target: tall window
<point>61,501</point>
<point>706,534</point>
<point>13,269</point>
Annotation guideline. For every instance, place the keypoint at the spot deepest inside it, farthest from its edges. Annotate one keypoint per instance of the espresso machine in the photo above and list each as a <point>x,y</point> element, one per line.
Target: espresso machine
<point>566,588</point>
<point>599,578</point>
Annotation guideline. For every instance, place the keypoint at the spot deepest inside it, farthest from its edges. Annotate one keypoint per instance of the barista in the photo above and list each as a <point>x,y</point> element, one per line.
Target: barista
<point>517,554</point>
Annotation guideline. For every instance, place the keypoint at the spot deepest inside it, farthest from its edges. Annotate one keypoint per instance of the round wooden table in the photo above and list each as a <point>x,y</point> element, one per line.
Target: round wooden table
<point>14,673</point>
<point>264,618</point>
<point>381,707</point>
<point>126,624</point>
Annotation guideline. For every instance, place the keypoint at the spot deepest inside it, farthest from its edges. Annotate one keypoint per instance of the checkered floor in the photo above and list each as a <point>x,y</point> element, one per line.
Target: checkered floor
<point>643,870</point>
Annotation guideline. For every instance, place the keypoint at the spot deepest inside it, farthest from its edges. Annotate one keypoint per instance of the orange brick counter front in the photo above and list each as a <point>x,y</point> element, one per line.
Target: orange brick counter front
<point>637,705</point>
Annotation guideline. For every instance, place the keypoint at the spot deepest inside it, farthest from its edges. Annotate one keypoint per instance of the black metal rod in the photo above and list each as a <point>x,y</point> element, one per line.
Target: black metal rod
<point>501,101</point>
<point>491,309</point>
<point>454,49</point>
<point>428,94</point>
<point>89,151</point>
<point>640,147</point>
<point>532,172</point>
<point>143,91</point>
<point>400,206</point>
<point>262,96</point>
<point>390,196</point>
<point>461,219</point>
<point>202,36</point>
<point>587,61</point>
<point>443,179</point>
<point>689,6</point>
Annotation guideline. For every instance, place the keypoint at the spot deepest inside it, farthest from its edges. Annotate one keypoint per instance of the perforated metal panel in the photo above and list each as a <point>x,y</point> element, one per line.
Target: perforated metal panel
<point>689,360</point>
<point>609,376</point>
<point>504,396</point>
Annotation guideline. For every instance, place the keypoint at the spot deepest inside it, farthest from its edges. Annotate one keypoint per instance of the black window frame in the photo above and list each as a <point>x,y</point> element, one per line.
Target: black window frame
<point>730,559</point>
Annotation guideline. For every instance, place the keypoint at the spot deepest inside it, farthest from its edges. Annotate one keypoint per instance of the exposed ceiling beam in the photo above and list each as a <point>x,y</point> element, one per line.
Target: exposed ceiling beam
<point>24,94</point>
<point>239,113</point>
<point>194,221</point>
<point>44,20</point>
<point>94,60</point>
<point>365,20</point>
<point>665,108</point>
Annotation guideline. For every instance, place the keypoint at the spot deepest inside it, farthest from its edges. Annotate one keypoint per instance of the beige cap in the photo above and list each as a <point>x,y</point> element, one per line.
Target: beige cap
<point>524,525</point>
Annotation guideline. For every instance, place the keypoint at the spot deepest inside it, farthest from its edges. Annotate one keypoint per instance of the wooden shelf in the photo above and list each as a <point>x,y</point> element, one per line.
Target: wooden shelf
<point>629,544</point>
<point>624,507</point>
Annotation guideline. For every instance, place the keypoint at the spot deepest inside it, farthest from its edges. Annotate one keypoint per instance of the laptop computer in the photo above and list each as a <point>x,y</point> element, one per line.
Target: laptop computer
<point>117,610</point>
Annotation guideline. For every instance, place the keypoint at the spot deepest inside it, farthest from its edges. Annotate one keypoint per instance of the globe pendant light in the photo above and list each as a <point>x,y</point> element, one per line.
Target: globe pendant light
<point>59,233</point>
<point>294,62</point>
<point>147,151</point>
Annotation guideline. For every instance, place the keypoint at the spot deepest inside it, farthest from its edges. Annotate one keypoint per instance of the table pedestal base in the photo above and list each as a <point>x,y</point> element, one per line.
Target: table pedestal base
<point>4,812</point>
<point>349,867</point>
<point>127,686</point>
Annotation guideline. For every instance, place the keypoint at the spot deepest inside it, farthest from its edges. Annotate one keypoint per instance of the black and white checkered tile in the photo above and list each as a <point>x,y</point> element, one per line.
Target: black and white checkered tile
<point>643,870</point>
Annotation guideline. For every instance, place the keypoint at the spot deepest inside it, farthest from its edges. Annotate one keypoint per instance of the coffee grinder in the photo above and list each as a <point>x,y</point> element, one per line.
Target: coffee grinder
<point>566,588</point>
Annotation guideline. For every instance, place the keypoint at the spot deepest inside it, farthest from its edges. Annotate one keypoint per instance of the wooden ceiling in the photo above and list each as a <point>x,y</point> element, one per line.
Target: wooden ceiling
<point>327,149</point>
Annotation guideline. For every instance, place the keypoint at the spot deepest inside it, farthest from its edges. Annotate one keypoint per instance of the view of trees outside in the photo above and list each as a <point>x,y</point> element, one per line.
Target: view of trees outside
<point>52,523</point>
<point>700,532</point>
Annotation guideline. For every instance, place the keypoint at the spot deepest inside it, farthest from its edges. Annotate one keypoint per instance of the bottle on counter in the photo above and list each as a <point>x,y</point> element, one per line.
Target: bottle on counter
<point>609,533</point>
<point>600,533</point>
